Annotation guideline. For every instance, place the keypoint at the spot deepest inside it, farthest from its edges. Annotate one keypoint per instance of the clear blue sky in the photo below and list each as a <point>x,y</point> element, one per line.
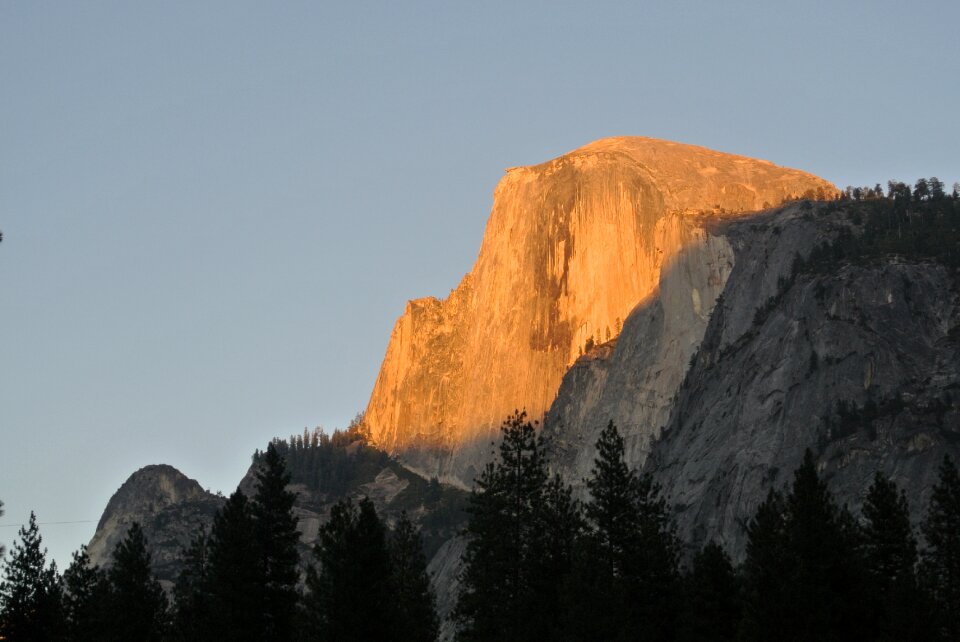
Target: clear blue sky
<point>214,212</point>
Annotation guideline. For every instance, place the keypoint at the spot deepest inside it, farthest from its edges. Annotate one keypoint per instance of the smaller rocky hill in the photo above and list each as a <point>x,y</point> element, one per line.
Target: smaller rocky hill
<point>170,508</point>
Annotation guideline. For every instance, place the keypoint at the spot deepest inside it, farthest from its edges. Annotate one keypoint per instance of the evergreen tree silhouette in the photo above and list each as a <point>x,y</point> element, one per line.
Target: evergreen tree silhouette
<point>504,541</point>
<point>138,606</point>
<point>941,556</point>
<point>712,607</point>
<point>351,594</point>
<point>900,611</point>
<point>635,551</point>
<point>234,579</point>
<point>804,574</point>
<point>416,605</point>
<point>277,537</point>
<point>31,593</point>
<point>192,591</point>
<point>85,598</point>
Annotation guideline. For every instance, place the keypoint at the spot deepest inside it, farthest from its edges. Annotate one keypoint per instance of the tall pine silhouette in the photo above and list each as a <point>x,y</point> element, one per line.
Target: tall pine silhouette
<point>30,593</point>
<point>138,606</point>
<point>233,577</point>
<point>351,597</point>
<point>803,572</point>
<point>416,605</point>
<point>277,537</point>
<point>899,610</point>
<point>510,564</point>
<point>629,566</point>
<point>192,591</point>
<point>941,556</point>
<point>85,598</point>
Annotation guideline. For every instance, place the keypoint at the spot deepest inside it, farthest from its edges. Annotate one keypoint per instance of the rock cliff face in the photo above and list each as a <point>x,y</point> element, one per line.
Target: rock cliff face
<point>861,364</point>
<point>571,247</point>
<point>170,507</point>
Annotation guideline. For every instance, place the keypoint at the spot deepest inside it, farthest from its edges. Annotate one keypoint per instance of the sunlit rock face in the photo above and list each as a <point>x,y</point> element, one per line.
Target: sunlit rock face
<point>571,247</point>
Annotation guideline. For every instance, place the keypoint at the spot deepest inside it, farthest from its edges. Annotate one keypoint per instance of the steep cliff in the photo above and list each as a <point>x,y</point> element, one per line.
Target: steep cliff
<point>856,358</point>
<point>571,247</point>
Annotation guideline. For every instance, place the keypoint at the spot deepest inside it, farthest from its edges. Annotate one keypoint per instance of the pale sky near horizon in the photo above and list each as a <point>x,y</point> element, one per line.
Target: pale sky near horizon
<point>214,212</point>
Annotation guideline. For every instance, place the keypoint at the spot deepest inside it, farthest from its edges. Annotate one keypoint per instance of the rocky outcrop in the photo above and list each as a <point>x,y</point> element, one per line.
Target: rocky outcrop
<point>571,247</point>
<point>170,507</point>
<point>861,364</point>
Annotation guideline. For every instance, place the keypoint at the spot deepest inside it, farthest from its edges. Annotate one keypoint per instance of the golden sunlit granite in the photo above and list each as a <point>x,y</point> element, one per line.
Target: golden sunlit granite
<point>571,247</point>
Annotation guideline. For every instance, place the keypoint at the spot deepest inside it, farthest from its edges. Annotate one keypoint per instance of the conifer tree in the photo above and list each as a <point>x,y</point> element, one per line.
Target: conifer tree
<point>31,593</point>
<point>637,551</point>
<point>85,598</point>
<point>557,534</point>
<point>941,556</point>
<point>764,570</point>
<point>234,579</point>
<point>506,509</point>
<point>416,605</point>
<point>900,611</point>
<point>138,606</point>
<point>711,598</point>
<point>350,594</point>
<point>191,591</point>
<point>804,575</point>
<point>277,536</point>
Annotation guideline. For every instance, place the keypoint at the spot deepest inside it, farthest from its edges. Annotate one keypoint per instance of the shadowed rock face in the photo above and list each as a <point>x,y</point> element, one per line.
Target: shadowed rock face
<point>805,372</point>
<point>170,507</point>
<point>571,247</point>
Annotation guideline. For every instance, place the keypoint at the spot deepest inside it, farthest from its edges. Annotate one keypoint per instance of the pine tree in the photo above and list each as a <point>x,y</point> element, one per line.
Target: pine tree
<point>191,591</point>
<point>765,569</point>
<point>277,535</point>
<point>712,607</point>
<point>804,575</point>
<point>350,595</point>
<point>416,605</point>
<point>505,511</point>
<point>557,535</point>
<point>890,553</point>
<point>234,577</point>
<point>635,543</point>
<point>941,556</point>
<point>85,598</point>
<point>138,606</point>
<point>31,592</point>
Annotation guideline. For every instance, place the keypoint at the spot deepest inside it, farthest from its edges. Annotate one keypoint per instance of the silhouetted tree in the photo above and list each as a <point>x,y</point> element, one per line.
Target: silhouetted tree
<point>277,537</point>
<point>350,594</point>
<point>234,579</point>
<point>506,557</point>
<point>711,592</point>
<point>138,606</point>
<point>803,573</point>
<point>416,605</point>
<point>632,553</point>
<point>85,598</point>
<point>191,591</point>
<point>31,593</point>
<point>941,556</point>
<point>890,553</point>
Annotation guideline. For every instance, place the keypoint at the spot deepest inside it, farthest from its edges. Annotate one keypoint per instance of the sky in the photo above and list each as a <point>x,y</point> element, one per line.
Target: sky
<point>214,212</point>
